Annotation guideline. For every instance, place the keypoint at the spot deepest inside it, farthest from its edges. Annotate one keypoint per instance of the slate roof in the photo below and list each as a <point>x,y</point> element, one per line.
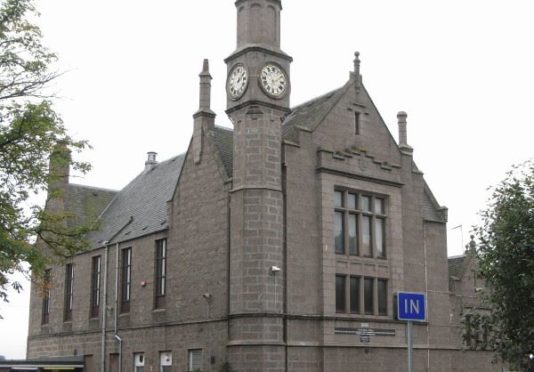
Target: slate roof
<point>86,203</point>
<point>311,113</point>
<point>456,266</point>
<point>141,207</point>
<point>224,142</point>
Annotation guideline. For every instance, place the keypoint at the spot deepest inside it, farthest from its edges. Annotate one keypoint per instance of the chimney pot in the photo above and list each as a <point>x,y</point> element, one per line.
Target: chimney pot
<point>151,160</point>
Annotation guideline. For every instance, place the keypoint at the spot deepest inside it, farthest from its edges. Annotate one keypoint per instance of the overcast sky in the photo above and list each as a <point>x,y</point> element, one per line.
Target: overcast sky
<point>462,70</point>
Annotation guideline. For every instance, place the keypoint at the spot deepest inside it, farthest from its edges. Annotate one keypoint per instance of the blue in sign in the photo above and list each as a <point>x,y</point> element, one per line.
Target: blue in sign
<point>411,306</point>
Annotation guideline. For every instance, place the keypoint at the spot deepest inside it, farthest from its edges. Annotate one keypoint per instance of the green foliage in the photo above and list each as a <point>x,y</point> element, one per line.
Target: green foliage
<point>30,134</point>
<point>506,262</point>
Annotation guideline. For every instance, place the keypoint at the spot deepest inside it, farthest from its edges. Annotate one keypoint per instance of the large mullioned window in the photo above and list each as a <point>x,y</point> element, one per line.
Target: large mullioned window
<point>361,295</point>
<point>359,224</point>
<point>160,273</point>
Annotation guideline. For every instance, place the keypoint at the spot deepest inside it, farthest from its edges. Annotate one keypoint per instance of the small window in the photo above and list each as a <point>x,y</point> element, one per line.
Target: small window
<point>356,123</point>
<point>139,362</point>
<point>367,234</point>
<point>352,201</point>
<point>379,238</point>
<point>165,361</point>
<point>366,204</point>
<point>194,360</point>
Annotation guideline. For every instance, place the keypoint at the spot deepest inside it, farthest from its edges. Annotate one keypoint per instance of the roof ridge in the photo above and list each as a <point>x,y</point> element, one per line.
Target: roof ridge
<point>93,187</point>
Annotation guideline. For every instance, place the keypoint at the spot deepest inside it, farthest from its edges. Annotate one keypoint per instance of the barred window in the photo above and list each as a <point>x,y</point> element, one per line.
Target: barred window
<point>194,360</point>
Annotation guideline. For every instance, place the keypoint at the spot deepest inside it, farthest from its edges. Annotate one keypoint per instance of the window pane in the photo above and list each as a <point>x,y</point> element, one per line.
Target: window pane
<point>351,201</point>
<point>379,240</point>
<point>368,295</point>
<point>354,295</point>
<point>366,203</point>
<point>366,236</point>
<point>338,195</point>
<point>195,360</point>
<point>382,297</point>
<point>353,234</point>
<point>340,294</point>
<point>379,206</point>
<point>339,232</point>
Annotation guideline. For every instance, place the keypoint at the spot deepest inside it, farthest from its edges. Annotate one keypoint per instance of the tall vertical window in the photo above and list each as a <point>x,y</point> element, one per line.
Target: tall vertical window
<point>160,273</point>
<point>95,286</point>
<point>382,290</point>
<point>46,296</point>
<point>126,279</point>
<point>341,294</point>
<point>359,224</point>
<point>69,291</point>
<point>194,360</point>
<point>368,296</point>
<point>354,294</point>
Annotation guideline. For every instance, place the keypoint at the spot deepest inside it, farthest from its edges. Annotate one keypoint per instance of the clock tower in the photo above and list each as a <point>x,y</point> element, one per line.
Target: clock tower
<point>258,90</point>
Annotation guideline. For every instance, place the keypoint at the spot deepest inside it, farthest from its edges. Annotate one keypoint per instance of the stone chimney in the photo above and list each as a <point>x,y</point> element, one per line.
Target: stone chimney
<point>58,180</point>
<point>204,118</point>
<point>403,134</point>
<point>151,160</point>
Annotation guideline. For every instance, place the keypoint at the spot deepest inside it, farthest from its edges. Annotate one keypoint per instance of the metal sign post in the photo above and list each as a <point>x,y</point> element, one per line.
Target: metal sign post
<point>411,307</point>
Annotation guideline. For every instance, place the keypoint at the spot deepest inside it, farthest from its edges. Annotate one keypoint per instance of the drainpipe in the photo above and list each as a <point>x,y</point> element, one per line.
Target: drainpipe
<point>104,308</point>
<point>120,350</point>
<point>116,312</point>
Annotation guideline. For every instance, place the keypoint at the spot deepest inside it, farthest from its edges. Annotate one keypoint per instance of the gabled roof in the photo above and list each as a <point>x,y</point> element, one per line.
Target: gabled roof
<point>141,207</point>
<point>310,114</point>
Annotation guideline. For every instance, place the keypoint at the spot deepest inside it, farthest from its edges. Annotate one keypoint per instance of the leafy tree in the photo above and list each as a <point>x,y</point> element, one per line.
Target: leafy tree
<point>506,262</point>
<point>31,133</point>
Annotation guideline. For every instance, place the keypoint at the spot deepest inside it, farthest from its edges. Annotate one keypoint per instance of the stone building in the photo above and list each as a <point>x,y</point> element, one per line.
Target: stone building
<point>268,247</point>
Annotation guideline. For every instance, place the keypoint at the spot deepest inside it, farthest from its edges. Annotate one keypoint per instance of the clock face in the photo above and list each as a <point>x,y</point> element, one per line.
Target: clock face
<point>237,81</point>
<point>273,80</point>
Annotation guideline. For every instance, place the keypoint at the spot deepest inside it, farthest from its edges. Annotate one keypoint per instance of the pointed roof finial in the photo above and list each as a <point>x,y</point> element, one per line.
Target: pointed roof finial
<point>357,76</point>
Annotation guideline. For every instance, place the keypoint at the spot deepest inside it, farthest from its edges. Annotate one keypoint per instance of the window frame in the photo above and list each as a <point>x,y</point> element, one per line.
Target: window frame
<point>47,281</point>
<point>190,355</point>
<point>160,273</point>
<point>371,214</point>
<point>69,292</point>
<point>126,279</point>
<point>96,279</point>
<point>358,295</point>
